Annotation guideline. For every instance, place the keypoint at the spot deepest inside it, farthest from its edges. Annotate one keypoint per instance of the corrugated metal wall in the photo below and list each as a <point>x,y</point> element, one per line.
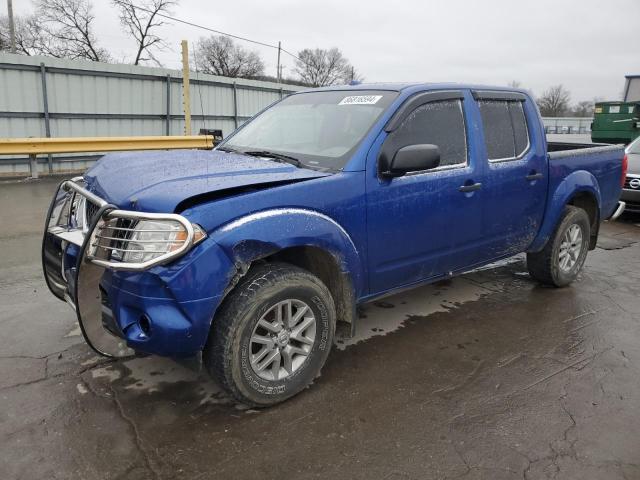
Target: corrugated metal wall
<point>87,99</point>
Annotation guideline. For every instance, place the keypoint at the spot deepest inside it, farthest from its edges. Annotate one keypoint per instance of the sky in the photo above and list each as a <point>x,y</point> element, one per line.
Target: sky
<point>586,45</point>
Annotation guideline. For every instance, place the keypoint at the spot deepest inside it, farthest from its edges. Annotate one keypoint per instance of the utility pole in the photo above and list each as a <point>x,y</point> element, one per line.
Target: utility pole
<point>278,72</point>
<point>12,27</point>
<point>186,97</point>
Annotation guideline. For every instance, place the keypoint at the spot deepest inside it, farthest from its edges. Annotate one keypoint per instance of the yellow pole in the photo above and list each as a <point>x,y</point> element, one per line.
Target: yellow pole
<point>186,97</point>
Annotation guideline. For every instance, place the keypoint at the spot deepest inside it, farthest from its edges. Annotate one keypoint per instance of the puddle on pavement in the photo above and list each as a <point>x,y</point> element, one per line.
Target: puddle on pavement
<point>152,374</point>
<point>385,316</point>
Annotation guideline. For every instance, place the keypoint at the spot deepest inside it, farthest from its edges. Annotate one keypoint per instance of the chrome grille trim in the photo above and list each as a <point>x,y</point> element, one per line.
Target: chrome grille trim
<point>627,182</point>
<point>127,249</point>
<point>140,241</point>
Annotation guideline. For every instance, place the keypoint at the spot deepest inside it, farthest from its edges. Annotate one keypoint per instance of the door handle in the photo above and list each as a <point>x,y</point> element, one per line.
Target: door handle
<point>470,188</point>
<point>534,176</point>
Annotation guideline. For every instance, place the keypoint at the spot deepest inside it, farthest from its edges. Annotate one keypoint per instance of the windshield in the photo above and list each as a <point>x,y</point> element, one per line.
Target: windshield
<point>319,129</point>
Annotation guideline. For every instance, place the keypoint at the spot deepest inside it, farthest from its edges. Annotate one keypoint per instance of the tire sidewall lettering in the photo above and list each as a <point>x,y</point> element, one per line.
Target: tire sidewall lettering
<point>266,387</point>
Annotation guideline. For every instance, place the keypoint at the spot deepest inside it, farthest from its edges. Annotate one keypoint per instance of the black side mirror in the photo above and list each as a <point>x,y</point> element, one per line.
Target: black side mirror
<point>413,158</point>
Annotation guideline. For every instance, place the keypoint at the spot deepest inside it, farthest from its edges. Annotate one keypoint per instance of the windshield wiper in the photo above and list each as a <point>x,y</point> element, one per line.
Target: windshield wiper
<point>276,156</point>
<point>227,149</point>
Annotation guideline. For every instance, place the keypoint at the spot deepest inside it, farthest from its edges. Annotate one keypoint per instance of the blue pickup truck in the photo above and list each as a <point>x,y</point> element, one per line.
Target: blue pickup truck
<point>252,254</point>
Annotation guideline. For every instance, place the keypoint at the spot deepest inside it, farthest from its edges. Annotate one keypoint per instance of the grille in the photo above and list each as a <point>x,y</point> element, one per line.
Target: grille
<point>627,182</point>
<point>90,210</point>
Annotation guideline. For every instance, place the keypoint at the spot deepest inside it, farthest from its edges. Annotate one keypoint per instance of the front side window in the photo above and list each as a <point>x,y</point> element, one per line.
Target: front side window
<point>439,123</point>
<point>320,129</point>
<point>505,129</point>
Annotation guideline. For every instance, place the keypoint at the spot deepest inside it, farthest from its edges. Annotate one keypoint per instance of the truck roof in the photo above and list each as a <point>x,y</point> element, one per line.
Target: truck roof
<point>400,86</point>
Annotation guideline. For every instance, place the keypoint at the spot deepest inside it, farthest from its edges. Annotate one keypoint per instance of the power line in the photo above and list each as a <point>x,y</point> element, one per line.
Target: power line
<point>169,17</point>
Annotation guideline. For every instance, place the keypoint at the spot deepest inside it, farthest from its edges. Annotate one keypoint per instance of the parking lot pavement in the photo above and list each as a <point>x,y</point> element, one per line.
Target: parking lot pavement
<point>485,376</point>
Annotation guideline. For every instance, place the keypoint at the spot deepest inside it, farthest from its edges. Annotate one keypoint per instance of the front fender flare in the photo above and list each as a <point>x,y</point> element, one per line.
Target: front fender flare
<point>263,233</point>
<point>575,183</point>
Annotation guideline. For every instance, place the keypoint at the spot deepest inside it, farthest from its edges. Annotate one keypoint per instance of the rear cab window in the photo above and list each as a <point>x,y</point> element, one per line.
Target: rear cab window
<point>505,127</point>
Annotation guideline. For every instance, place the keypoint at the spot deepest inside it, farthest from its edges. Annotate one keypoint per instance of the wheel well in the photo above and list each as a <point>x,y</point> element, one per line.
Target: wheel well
<point>587,202</point>
<point>326,267</point>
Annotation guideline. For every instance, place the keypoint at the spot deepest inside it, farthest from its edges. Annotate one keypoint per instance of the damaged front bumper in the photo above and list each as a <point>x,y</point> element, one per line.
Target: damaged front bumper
<point>124,307</point>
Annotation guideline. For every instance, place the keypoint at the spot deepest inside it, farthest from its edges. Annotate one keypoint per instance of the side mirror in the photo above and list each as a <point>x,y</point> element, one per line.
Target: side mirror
<point>413,158</point>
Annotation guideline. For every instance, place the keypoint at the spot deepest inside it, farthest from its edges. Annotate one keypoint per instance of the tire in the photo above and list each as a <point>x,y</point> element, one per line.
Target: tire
<point>547,266</point>
<point>237,339</point>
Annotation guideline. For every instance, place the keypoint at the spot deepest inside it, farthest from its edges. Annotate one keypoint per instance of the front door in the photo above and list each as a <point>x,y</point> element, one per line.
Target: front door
<point>423,223</point>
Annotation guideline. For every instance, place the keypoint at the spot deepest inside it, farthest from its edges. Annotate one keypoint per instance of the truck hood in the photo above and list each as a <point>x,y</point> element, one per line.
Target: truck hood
<point>170,181</point>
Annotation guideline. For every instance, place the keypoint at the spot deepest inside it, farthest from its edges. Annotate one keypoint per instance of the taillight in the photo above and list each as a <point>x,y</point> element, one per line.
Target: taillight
<point>625,167</point>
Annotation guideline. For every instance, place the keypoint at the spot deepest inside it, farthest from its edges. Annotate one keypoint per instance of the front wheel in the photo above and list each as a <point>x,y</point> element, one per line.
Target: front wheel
<point>562,258</point>
<point>272,334</point>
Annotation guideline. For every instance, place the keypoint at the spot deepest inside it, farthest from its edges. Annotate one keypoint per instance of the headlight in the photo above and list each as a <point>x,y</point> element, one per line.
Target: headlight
<point>125,240</point>
<point>132,241</point>
<point>150,239</point>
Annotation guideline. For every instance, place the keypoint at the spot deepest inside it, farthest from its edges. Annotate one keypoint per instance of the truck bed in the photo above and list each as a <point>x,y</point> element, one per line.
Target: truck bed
<point>602,161</point>
<point>555,147</point>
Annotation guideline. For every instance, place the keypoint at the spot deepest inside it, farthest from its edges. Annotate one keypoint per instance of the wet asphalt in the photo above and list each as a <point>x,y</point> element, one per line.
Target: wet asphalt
<point>486,376</point>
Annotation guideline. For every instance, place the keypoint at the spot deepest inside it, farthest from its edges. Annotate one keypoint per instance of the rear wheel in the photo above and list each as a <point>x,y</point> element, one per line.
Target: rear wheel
<point>562,258</point>
<point>272,334</point>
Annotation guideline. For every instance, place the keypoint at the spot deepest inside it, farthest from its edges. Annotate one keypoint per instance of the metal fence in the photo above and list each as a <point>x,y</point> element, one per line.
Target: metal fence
<point>47,97</point>
<point>568,125</point>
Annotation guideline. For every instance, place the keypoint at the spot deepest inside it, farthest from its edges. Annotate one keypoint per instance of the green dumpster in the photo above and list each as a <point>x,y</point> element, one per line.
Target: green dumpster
<point>615,122</point>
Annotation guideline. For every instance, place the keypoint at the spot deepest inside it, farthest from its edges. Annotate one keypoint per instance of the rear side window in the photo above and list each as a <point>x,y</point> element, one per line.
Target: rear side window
<point>439,123</point>
<point>505,129</point>
<point>519,123</point>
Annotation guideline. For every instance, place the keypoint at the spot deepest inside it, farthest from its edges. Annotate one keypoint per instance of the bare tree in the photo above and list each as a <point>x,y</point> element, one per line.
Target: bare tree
<point>515,84</point>
<point>220,55</point>
<point>5,43</point>
<point>583,109</point>
<point>31,38</point>
<point>554,102</point>
<point>69,26</point>
<point>142,18</point>
<point>318,67</point>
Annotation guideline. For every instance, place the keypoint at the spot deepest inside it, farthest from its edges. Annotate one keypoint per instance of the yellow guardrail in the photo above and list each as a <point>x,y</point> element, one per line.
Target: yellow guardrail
<point>40,146</point>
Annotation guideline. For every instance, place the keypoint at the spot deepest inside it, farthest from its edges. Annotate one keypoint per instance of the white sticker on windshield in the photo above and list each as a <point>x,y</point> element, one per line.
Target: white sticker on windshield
<point>360,100</point>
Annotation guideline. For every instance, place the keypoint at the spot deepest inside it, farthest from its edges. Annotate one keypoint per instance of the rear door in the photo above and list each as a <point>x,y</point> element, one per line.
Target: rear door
<point>516,177</point>
<point>422,224</point>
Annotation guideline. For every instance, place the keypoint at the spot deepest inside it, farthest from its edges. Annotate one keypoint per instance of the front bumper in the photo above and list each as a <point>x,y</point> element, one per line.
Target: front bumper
<point>632,199</point>
<point>164,309</point>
